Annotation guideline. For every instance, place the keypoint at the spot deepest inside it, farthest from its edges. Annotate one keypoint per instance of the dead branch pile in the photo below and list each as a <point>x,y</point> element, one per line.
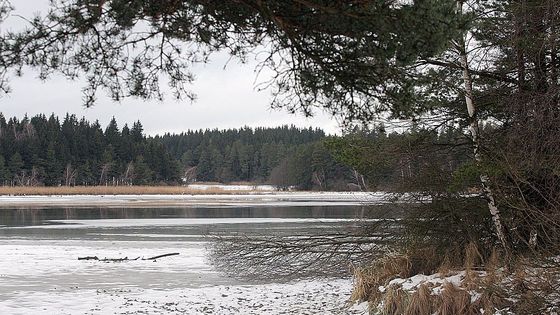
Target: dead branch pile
<point>125,258</point>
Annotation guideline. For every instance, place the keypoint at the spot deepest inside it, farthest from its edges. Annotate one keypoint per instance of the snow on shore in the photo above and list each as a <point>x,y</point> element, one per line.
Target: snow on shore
<point>45,277</point>
<point>232,187</point>
<point>327,297</point>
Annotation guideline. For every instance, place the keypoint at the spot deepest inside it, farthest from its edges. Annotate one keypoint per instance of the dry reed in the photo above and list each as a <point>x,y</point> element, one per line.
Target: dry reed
<point>492,298</point>
<point>453,301</point>
<point>473,259</point>
<point>492,265</point>
<point>491,284</point>
<point>368,280</point>
<point>116,190</point>
<point>395,301</point>
<point>445,268</point>
<point>420,302</point>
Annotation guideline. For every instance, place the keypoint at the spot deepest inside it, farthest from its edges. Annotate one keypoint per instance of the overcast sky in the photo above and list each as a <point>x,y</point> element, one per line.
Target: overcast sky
<point>226,98</point>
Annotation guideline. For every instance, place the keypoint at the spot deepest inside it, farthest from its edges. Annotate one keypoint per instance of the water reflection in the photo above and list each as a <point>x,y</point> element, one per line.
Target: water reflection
<point>270,242</point>
<point>44,216</point>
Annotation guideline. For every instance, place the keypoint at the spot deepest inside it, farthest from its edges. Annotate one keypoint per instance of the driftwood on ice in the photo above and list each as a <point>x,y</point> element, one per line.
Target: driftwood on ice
<point>125,258</point>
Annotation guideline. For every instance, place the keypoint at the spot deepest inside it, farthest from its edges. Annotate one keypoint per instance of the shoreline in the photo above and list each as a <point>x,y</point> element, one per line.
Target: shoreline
<point>238,199</point>
<point>195,189</point>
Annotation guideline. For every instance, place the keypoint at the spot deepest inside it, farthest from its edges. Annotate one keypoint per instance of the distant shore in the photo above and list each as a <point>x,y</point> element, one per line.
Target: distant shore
<point>195,189</point>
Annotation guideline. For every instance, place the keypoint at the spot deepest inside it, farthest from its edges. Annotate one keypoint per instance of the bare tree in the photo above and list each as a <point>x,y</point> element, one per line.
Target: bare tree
<point>34,177</point>
<point>360,181</point>
<point>328,253</point>
<point>104,171</point>
<point>190,175</point>
<point>70,175</point>
<point>23,178</point>
<point>20,179</point>
<point>318,178</point>
<point>128,175</point>
<point>279,176</point>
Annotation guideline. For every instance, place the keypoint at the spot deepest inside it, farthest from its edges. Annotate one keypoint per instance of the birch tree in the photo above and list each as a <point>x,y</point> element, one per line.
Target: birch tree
<point>473,126</point>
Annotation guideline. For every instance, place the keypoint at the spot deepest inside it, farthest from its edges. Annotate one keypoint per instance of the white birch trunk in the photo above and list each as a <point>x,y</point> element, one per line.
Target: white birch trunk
<point>474,131</point>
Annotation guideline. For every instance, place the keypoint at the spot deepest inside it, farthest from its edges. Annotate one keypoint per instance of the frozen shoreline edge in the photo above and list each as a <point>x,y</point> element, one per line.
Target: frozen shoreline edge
<point>201,200</point>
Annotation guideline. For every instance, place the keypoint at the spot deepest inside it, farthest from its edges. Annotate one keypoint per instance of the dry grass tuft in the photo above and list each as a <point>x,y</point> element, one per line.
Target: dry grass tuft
<point>530,303</point>
<point>492,283</point>
<point>421,302</point>
<point>492,298</point>
<point>445,268</point>
<point>424,260</point>
<point>363,289</point>
<point>395,301</point>
<point>368,280</point>
<point>473,259</point>
<point>453,301</point>
<point>492,295</point>
<point>520,278</point>
<point>494,272</point>
<point>492,266</point>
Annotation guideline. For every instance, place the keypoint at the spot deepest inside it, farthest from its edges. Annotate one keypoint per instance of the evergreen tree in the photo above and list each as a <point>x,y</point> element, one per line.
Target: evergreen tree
<point>45,148</point>
<point>237,154</point>
<point>85,174</point>
<point>137,131</point>
<point>143,174</point>
<point>107,166</point>
<point>3,170</point>
<point>112,134</point>
<point>15,166</point>
<point>52,167</point>
<point>321,165</point>
<point>187,158</point>
<point>204,168</point>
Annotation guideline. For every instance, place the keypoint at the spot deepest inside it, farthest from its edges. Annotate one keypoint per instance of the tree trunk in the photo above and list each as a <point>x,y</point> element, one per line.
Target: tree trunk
<point>520,54</point>
<point>474,131</point>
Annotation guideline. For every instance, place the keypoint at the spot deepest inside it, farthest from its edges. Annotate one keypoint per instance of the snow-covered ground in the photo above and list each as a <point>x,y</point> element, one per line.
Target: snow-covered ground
<point>327,297</point>
<point>40,272</point>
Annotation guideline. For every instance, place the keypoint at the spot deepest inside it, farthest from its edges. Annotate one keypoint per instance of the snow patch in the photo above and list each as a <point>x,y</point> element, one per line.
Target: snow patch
<point>434,280</point>
<point>327,297</point>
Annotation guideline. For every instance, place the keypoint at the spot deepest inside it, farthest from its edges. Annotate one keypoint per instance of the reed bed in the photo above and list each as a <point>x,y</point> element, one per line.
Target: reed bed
<point>118,190</point>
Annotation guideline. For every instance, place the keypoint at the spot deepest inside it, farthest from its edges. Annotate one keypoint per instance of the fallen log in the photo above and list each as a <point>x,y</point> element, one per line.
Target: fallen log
<point>160,256</point>
<point>88,258</point>
<point>125,258</point>
<point>117,259</point>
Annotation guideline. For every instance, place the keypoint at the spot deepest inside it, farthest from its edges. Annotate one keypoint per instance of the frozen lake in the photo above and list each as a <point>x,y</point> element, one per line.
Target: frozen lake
<point>40,272</point>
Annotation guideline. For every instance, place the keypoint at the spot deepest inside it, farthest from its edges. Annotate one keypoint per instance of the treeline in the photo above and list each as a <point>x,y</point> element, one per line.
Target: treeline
<point>232,155</point>
<point>44,151</point>
<point>47,151</point>
<point>307,159</point>
<point>312,166</point>
<point>418,159</point>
